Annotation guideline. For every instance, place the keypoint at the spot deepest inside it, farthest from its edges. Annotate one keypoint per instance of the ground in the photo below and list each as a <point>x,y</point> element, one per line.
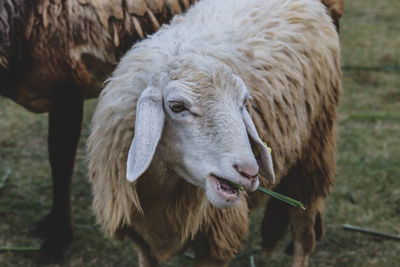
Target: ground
<point>366,192</point>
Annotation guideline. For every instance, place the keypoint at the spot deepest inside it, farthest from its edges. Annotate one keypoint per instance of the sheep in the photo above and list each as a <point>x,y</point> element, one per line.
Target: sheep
<point>178,123</point>
<point>299,125</point>
<point>64,50</point>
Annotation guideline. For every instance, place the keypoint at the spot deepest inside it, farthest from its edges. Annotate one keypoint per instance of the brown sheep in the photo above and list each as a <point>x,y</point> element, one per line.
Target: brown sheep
<point>53,55</point>
<point>172,133</point>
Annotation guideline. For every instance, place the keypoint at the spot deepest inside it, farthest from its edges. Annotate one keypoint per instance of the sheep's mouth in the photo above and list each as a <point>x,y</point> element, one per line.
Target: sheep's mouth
<point>225,189</point>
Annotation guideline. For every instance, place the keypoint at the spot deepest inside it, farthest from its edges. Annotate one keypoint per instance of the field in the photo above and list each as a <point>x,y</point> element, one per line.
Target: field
<point>366,192</point>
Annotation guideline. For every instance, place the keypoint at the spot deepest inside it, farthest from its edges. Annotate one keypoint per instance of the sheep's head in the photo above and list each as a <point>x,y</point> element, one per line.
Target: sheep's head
<point>196,119</point>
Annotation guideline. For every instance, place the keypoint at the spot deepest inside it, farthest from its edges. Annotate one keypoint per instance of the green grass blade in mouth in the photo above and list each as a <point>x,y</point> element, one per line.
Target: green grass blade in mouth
<point>290,201</point>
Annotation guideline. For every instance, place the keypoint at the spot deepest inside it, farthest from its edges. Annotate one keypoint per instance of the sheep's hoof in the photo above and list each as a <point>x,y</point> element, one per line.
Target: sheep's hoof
<point>57,235</point>
<point>52,250</point>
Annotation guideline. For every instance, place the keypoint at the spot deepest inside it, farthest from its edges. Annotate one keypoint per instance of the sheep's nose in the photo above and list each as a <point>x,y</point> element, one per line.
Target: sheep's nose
<point>249,171</point>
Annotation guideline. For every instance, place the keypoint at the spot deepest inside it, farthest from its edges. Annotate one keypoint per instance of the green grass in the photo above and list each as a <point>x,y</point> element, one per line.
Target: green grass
<point>367,188</point>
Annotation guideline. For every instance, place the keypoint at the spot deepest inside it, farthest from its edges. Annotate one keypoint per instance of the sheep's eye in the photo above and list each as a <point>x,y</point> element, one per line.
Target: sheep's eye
<point>177,107</point>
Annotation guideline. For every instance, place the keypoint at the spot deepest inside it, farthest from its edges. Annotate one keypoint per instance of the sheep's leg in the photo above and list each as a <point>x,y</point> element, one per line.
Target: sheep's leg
<point>276,221</point>
<point>274,224</point>
<point>310,181</point>
<point>65,121</point>
<point>306,227</point>
<point>318,229</point>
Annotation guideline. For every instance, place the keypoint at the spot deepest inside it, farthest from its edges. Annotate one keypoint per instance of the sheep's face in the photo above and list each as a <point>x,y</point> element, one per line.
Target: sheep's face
<point>205,133</point>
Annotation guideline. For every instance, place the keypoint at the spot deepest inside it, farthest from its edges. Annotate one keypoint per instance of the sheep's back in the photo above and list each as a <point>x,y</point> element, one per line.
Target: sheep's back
<point>70,45</point>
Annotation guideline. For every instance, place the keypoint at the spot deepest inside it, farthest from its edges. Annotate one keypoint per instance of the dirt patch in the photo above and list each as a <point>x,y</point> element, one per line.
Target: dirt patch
<point>391,96</point>
<point>366,78</point>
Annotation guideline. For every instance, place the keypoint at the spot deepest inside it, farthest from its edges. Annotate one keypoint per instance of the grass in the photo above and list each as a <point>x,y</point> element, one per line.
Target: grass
<point>367,188</point>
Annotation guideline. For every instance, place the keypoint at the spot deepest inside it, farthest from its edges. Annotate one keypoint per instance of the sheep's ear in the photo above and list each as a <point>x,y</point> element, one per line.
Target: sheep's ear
<point>148,128</point>
<point>265,158</point>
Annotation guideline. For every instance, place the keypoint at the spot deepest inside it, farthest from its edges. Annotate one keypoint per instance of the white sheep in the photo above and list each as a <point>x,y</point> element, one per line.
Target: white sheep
<point>197,98</point>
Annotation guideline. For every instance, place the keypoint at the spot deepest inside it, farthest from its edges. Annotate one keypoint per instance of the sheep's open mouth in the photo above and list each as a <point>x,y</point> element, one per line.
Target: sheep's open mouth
<point>225,189</point>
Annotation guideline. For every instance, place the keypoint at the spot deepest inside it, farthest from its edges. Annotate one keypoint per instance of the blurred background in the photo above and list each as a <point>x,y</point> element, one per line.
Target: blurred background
<point>366,192</point>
